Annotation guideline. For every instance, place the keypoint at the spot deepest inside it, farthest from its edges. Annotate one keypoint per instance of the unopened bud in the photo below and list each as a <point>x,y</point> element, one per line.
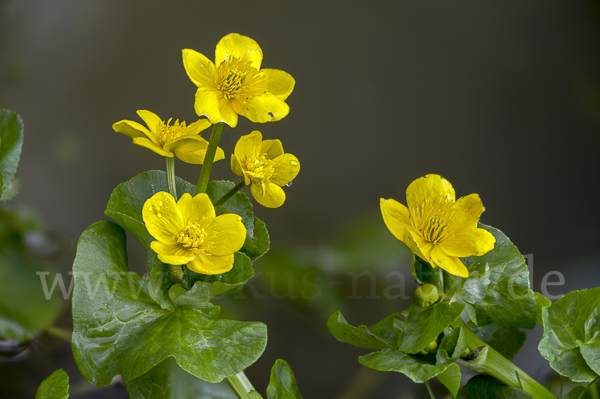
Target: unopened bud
<point>176,273</point>
<point>426,295</point>
<point>429,348</point>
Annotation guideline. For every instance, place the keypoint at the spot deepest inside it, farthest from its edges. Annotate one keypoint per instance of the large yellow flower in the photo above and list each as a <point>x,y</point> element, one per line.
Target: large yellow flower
<point>235,84</point>
<point>169,140</point>
<point>187,232</point>
<point>437,228</point>
<point>264,164</point>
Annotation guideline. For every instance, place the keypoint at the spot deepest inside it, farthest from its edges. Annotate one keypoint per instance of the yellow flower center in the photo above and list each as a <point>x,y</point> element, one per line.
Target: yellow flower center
<point>260,167</point>
<point>166,132</point>
<point>433,220</point>
<point>191,236</point>
<point>239,81</point>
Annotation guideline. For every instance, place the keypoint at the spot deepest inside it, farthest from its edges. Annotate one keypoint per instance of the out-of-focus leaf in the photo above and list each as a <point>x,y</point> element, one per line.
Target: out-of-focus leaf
<point>29,295</point>
<point>579,393</point>
<point>54,387</point>
<point>283,383</point>
<point>120,329</point>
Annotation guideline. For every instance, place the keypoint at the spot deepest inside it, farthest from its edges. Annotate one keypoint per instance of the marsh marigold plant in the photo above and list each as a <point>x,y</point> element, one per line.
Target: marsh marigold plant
<point>264,165</point>
<point>168,140</point>
<point>188,232</point>
<point>236,85</point>
<point>437,228</point>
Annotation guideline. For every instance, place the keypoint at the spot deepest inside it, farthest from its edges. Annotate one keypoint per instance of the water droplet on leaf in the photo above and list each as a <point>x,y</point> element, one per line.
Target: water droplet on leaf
<point>294,163</point>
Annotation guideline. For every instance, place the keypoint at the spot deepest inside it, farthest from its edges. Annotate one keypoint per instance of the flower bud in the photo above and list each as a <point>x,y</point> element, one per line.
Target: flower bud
<point>176,273</point>
<point>429,348</point>
<point>426,295</point>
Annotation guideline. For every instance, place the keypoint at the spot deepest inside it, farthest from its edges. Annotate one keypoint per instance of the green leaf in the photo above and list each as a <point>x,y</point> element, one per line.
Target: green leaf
<point>571,341</point>
<point>54,387</point>
<point>541,302</point>
<point>487,387</point>
<point>11,141</point>
<point>452,347</point>
<point>127,201</point>
<point>257,244</point>
<point>11,190</point>
<point>498,285</point>
<point>422,326</point>
<point>120,329</point>
<point>417,368</point>
<point>579,393</point>
<point>358,336</point>
<point>168,381</point>
<point>238,204</point>
<point>28,302</point>
<point>212,286</point>
<point>507,342</point>
<point>283,383</point>
<point>451,379</point>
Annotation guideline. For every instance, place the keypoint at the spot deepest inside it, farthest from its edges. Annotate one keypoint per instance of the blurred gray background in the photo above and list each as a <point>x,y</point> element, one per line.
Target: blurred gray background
<point>501,98</point>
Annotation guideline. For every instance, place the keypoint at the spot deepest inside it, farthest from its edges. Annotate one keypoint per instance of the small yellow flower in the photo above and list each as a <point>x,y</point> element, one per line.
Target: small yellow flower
<point>264,164</point>
<point>437,228</point>
<point>187,232</point>
<point>169,140</point>
<point>235,85</point>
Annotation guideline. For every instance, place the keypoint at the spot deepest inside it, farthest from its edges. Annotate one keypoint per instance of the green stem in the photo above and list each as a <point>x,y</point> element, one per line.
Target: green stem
<point>593,389</point>
<point>429,390</point>
<point>231,193</point>
<point>242,386</point>
<point>59,333</point>
<point>171,176</point>
<point>484,359</point>
<point>209,158</point>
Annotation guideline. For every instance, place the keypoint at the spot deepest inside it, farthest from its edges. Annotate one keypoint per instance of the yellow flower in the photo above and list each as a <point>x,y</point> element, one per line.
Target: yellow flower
<point>437,228</point>
<point>169,140</point>
<point>235,84</point>
<point>187,232</point>
<point>264,164</point>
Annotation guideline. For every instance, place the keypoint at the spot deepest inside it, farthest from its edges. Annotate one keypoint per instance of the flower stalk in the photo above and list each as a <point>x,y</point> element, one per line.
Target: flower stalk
<point>209,158</point>
<point>487,360</point>
<point>171,176</point>
<point>230,193</point>
<point>242,386</point>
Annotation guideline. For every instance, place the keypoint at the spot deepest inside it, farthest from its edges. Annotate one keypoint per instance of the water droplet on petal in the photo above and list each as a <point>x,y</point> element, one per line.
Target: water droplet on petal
<point>289,184</point>
<point>160,203</point>
<point>150,207</point>
<point>159,214</point>
<point>294,163</point>
<point>270,114</point>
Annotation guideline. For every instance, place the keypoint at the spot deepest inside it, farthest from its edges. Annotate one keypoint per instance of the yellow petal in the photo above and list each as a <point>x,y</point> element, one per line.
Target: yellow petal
<point>192,149</point>
<point>172,254</point>
<point>152,120</point>
<point>192,209</point>
<point>484,241</point>
<point>286,169</point>
<point>235,166</point>
<point>451,264</point>
<point>248,146</point>
<point>199,69</point>
<point>162,217</point>
<point>225,234</point>
<point>144,142</point>
<point>395,217</point>
<point>423,247</point>
<point>238,46</point>
<point>432,187</point>
<point>273,148</point>
<point>207,104</point>
<point>265,108</point>
<point>208,264</point>
<point>268,194</point>
<point>467,212</point>
<point>198,126</point>
<point>131,129</point>
<point>279,83</point>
